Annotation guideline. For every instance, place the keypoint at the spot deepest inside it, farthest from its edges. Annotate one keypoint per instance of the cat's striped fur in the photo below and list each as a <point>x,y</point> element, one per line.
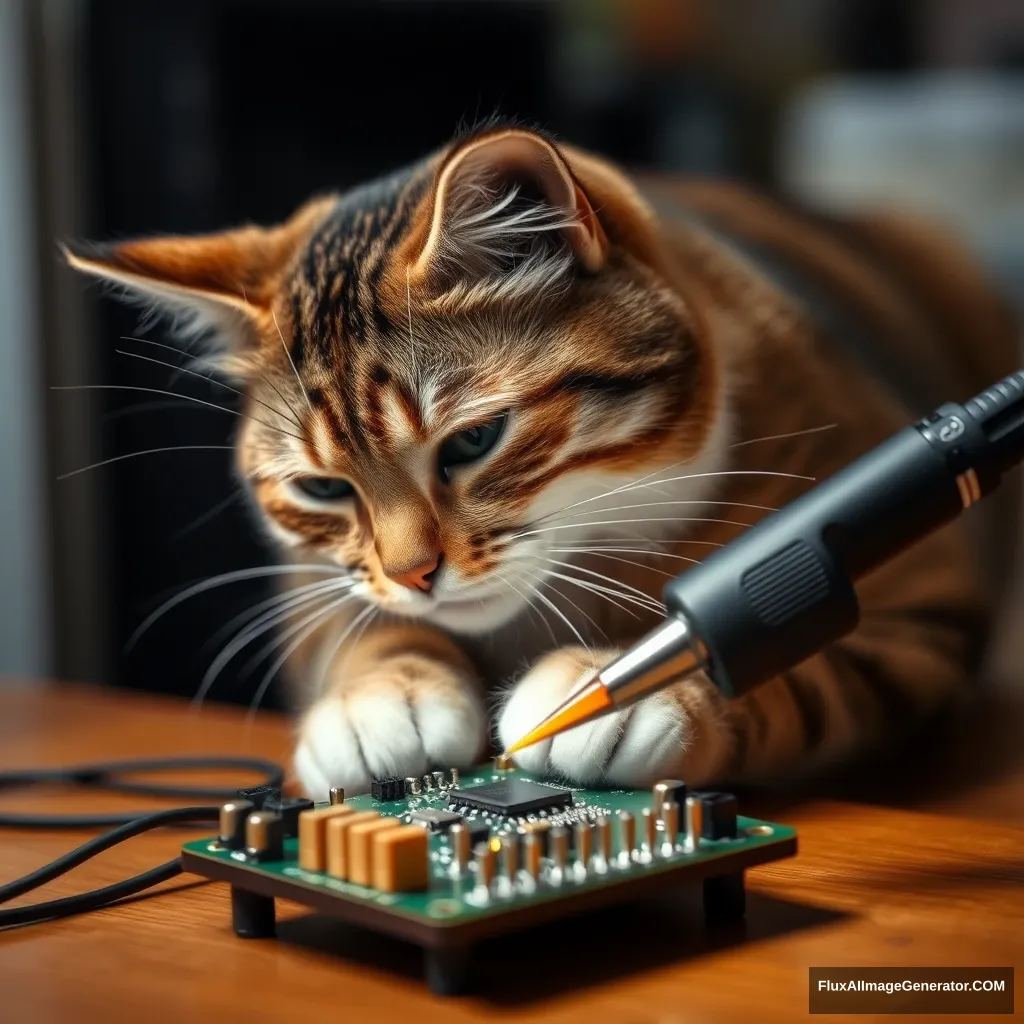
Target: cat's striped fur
<point>664,374</point>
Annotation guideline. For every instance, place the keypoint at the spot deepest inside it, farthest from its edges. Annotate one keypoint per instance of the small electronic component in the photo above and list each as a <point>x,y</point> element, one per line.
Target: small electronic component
<point>400,859</point>
<point>485,860</point>
<point>412,786</point>
<point>670,822</point>
<point>627,838</point>
<point>510,856</point>
<point>256,795</point>
<point>336,795</point>
<point>718,815</point>
<point>479,831</point>
<point>428,783</point>
<point>603,827</point>
<point>503,763</point>
<point>531,854</point>
<point>542,830</point>
<point>388,788</point>
<point>264,836</point>
<point>313,834</point>
<point>667,789</point>
<point>456,778</point>
<point>359,839</point>
<point>583,840</point>
<point>336,840</point>
<point>435,819</point>
<point>649,829</point>
<point>694,822</point>
<point>559,843</point>
<point>438,780</point>
<point>458,836</point>
<point>513,798</point>
<point>289,807</point>
<point>232,823</point>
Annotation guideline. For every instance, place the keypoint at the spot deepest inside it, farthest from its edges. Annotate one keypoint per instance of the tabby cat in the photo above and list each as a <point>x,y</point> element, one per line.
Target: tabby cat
<point>493,400</point>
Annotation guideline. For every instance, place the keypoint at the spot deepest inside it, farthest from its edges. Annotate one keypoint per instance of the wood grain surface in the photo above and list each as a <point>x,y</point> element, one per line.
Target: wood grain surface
<point>918,862</point>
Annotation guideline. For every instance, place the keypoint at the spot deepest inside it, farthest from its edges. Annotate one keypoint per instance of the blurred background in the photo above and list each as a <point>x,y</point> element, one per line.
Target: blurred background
<point>122,117</point>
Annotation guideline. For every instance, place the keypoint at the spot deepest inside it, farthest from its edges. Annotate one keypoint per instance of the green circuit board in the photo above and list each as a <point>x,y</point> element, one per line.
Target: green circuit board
<point>451,903</point>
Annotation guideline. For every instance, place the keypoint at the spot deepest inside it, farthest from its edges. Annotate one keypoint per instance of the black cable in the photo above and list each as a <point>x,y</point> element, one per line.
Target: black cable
<point>92,900</point>
<point>110,777</point>
<point>90,849</point>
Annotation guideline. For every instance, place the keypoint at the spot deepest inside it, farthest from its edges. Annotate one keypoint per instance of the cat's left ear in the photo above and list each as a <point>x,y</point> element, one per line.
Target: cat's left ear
<point>502,195</point>
<point>226,280</point>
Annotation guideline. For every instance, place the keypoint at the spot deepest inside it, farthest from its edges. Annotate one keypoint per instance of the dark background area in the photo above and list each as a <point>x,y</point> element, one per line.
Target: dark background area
<point>190,116</point>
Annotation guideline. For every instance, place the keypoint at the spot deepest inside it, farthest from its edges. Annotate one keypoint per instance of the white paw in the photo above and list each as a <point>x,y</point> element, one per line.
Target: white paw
<point>633,747</point>
<point>387,724</point>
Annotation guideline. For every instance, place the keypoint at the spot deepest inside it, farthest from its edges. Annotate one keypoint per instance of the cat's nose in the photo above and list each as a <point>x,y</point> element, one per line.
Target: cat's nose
<point>422,576</point>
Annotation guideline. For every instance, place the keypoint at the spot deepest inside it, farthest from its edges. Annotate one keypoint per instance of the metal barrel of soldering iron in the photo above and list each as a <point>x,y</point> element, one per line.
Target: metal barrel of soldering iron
<point>784,589</point>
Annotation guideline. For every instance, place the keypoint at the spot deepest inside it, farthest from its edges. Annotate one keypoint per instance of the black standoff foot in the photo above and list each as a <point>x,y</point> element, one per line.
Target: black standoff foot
<point>446,970</point>
<point>251,915</point>
<point>725,899</point>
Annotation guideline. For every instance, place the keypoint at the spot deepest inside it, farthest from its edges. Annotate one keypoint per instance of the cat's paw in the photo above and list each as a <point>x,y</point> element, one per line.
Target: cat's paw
<point>390,721</point>
<point>632,747</point>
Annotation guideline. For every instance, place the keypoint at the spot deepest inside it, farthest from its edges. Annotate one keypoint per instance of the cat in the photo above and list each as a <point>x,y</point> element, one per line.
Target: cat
<point>494,399</point>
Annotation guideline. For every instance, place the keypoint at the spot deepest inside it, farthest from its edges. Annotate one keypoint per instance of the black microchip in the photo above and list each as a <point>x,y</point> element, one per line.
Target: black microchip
<point>389,788</point>
<point>258,795</point>
<point>289,807</point>
<point>435,819</point>
<point>512,798</point>
<point>718,815</point>
<point>479,832</point>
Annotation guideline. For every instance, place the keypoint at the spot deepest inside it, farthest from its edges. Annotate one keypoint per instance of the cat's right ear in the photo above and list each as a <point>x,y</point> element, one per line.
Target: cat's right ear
<point>225,281</point>
<point>502,202</point>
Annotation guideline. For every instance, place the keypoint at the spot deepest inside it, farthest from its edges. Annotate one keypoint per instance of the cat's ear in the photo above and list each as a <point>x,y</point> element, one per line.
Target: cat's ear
<point>506,199</point>
<point>226,280</point>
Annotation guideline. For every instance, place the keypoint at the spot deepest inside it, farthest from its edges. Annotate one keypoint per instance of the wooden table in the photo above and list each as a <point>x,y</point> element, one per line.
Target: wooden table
<point>922,864</point>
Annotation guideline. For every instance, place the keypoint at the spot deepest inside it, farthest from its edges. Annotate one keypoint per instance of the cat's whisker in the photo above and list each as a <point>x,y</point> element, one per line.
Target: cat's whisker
<point>530,605</point>
<point>253,662</point>
<point>790,433</point>
<point>174,394</point>
<point>147,451</point>
<point>655,504</point>
<point>268,621</point>
<point>558,612</point>
<point>277,602</point>
<point>324,662</point>
<point>293,415</point>
<point>646,479</point>
<point>607,579</point>
<point>235,576</point>
<point>612,596</point>
<point>565,597</point>
<point>304,630</point>
<point>205,517</point>
<point>291,362</point>
<point>640,539</point>
<point>194,373</point>
<point>582,549</point>
<point>583,585</point>
<point>605,553</point>
<point>412,339</point>
<point>627,522</point>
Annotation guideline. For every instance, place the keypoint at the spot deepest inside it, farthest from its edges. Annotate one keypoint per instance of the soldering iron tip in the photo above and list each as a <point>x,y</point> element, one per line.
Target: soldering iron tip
<point>580,707</point>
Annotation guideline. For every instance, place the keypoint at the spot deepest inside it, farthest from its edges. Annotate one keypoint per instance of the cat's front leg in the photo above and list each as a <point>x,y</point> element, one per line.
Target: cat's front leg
<point>405,700</point>
<point>678,732</point>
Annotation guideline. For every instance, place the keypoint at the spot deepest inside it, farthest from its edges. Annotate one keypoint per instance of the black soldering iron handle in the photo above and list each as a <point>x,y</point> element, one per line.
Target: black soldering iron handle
<point>784,589</point>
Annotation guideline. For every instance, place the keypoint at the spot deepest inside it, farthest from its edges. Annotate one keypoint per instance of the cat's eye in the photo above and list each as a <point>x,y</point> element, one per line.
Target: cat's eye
<point>470,444</point>
<point>324,488</point>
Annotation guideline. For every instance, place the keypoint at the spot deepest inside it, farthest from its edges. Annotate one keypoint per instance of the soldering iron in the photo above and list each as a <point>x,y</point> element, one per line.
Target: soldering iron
<point>785,589</point>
